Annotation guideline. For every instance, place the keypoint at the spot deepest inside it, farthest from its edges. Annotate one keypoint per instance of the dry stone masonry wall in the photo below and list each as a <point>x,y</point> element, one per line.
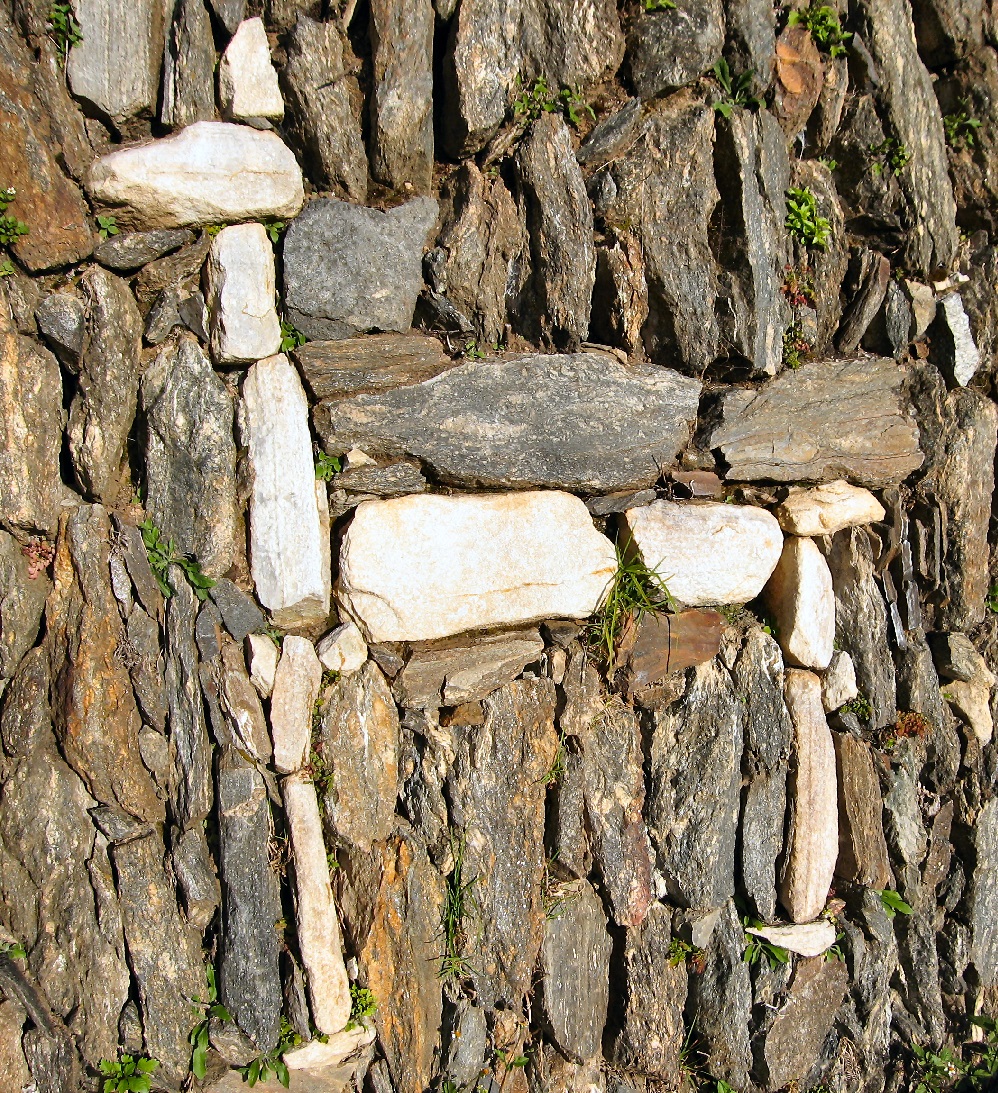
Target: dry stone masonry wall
<point>498,585</point>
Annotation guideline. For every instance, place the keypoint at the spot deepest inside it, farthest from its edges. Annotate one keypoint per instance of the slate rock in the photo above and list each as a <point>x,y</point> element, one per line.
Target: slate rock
<point>196,878</point>
<point>620,294</point>
<point>61,319</point>
<point>241,705</point>
<point>693,801</point>
<point>590,423</point>
<point>671,643</point>
<point>48,202</point>
<point>610,136</point>
<point>239,612</point>
<point>188,90</point>
<point>247,80</point>
<point>22,604</point>
<point>349,269</point>
<point>862,847</point>
<point>395,480</point>
<point>131,250</point>
<point>983,892</point>
<point>324,103</point>
<point>559,221</point>
<point>669,49</point>
<point>800,79</point>
<point>190,456</point>
<point>376,362</point>
<point>822,421</point>
<point>575,958</point>
<point>211,172</point>
<point>249,984</point>
<point>230,13</point>
<point>103,408</point>
<point>873,275</point>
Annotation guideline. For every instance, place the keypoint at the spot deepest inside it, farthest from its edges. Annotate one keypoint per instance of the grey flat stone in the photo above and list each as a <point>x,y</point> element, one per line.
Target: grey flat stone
<point>136,249</point>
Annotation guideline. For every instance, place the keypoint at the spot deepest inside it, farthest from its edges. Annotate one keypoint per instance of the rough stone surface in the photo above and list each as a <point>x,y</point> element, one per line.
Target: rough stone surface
<point>799,593</point>
<point>241,705</point>
<point>286,535</point>
<point>210,173</point>
<point>103,408</point>
<point>862,847</point>
<point>188,93</point>
<point>671,643</point>
<point>441,565</point>
<point>129,251</point>
<point>813,832</point>
<point>828,508</point>
<point>350,269</point>
<point>191,455</point>
<point>811,939</point>
<point>22,604</point>
<point>707,553</point>
<point>669,49</point>
<point>581,422</point>
<point>247,81</point>
<point>342,650</point>
<point>239,612</point>
<point>319,938</point>
<point>61,318</point>
<point>377,362</point>
<point>239,291</point>
<point>262,656</point>
<point>838,682</point>
<point>296,688</point>
<point>823,421</point>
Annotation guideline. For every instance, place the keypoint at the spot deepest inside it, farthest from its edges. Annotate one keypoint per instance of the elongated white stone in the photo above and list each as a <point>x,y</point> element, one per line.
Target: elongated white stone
<point>261,658</point>
<point>241,290</point>
<point>296,687</point>
<point>810,939</point>
<point>316,1054</point>
<point>212,172</point>
<point>814,827</point>
<point>247,82</point>
<point>319,938</point>
<point>707,553</point>
<point>286,547</point>
<point>800,595</point>
<point>427,566</point>
<point>828,508</point>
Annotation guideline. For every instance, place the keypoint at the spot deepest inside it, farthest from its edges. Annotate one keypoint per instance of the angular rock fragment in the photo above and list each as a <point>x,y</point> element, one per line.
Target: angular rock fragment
<point>377,362</point>
<point>241,704</point>
<point>239,611</point>
<point>262,655</point>
<point>799,593</point>
<point>822,421</point>
<point>669,49</point>
<point>810,939</point>
<point>288,554</point>
<point>129,251</point>
<point>873,275</point>
<point>813,838</point>
<point>671,643</point>
<point>828,508</point>
<point>838,682</point>
<point>319,938</point>
<point>212,172</point>
<point>424,567</point>
<point>296,688</point>
<point>589,423</point>
<point>342,650</point>
<point>240,287</point>
<point>707,553</point>
<point>862,854</point>
<point>247,81</point>
<point>61,319</point>
<point>188,93</point>
<point>22,603</point>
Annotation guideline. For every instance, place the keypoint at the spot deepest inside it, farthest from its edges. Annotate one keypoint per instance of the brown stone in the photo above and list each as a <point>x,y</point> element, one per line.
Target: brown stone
<point>375,362</point>
<point>670,643</point>
<point>862,846</point>
<point>800,76</point>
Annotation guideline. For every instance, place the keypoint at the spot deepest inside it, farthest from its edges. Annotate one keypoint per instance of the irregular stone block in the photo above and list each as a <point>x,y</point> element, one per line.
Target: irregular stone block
<point>822,421</point>
<point>377,362</point>
<point>296,688</point>
<point>590,423</point>
<point>423,567</point>
<point>350,269</point>
<point>800,595</point>
<point>319,1054</point>
<point>810,939</point>
<point>240,286</point>
<point>814,824</point>
<point>707,553</point>
<point>212,172</point>
<point>22,603</point>
<point>319,939</point>
<point>61,319</point>
<point>241,704</point>
<point>286,534</point>
<point>669,49</point>
<point>863,855</point>
<point>239,612</point>
<point>670,643</point>
<point>838,683</point>
<point>262,655</point>
<point>972,701</point>
<point>342,650</point>
<point>247,81</point>
<point>129,251</point>
<point>828,508</point>
<point>188,94</point>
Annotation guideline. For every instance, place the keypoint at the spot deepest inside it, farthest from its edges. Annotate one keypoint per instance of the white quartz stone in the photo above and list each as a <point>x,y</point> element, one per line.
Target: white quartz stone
<point>343,649</point>
<point>287,551</point>
<point>814,832</point>
<point>262,656</point>
<point>809,939</point>
<point>972,701</point>
<point>707,553</point>
<point>827,509</point>
<point>800,596</point>
<point>296,687</point>
<point>247,80</point>
<point>212,172</point>
<point>241,295</point>
<point>966,356</point>
<point>319,938</point>
<point>427,566</point>
<point>838,683</point>
<point>333,1052</point>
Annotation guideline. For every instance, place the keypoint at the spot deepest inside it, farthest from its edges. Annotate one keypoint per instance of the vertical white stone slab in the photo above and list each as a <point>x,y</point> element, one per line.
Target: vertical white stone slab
<point>296,687</point>
<point>241,289</point>
<point>800,595</point>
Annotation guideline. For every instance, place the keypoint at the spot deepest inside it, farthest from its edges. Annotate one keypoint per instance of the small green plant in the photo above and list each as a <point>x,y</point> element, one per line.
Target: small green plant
<point>275,635</point>
<point>992,600</point>
<point>209,1008</point>
<point>893,903</point>
<point>834,951</point>
<point>457,900</point>
<point>724,1087</point>
<point>757,948</point>
<point>860,706</point>
<point>473,353</point>
<point>510,1060</point>
<point>659,5</point>
<point>828,163</point>
<point>326,466</point>
<point>803,220</point>
<point>6,268</point>
<point>934,1070</point>
<point>795,345</point>
<point>798,286</point>
<point>272,1063</point>
<point>291,336</point>
<point>540,99</point>
<point>362,1004</point>
<point>556,771</point>
<point>11,229</point>
<point>677,952</point>
<point>823,24</point>
<point>961,128</point>
<point>274,229</point>
<point>163,553</point>
<point>127,1074</point>
<point>736,90</point>
<point>12,949</point>
<point>106,226</point>
<point>211,230</point>
<point>635,591</point>
<point>889,156</point>
<point>64,29</point>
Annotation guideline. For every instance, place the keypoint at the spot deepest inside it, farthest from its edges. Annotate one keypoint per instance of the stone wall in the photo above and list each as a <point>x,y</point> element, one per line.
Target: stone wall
<point>495,545</point>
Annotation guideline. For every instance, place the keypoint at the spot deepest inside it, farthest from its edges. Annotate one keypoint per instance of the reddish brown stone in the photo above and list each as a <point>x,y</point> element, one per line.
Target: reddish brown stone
<point>800,76</point>
<point>670,643</point>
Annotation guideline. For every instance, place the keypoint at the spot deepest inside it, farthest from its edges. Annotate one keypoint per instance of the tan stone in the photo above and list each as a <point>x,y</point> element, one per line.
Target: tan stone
<point>827,509</point>
<point>339,1047</point>
<point>809,939</point>
<point>247,80</point>
<point>838,683</point>
<point>262,656</point>
<point>801,597</point>
<point>342,650</point>
<point>296,688</point>
<point>862,856</point>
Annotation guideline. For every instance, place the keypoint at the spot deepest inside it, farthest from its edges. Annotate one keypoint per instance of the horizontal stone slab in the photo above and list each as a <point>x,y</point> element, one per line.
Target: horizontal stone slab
<point>575,421</point>
<point>374,362</point>
<point>428,566</point>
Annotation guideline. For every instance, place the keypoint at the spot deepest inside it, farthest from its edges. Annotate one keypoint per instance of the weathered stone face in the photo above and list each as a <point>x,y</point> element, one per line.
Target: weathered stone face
<point>827,509</point>
<point>799,593</point>
<point>247,81</point>
<point>240,292</point>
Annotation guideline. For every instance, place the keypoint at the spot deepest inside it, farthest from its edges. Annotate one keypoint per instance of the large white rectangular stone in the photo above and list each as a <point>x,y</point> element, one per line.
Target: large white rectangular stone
<point>286,547</point>
<point>241,293</point>
<point>427,566</point>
